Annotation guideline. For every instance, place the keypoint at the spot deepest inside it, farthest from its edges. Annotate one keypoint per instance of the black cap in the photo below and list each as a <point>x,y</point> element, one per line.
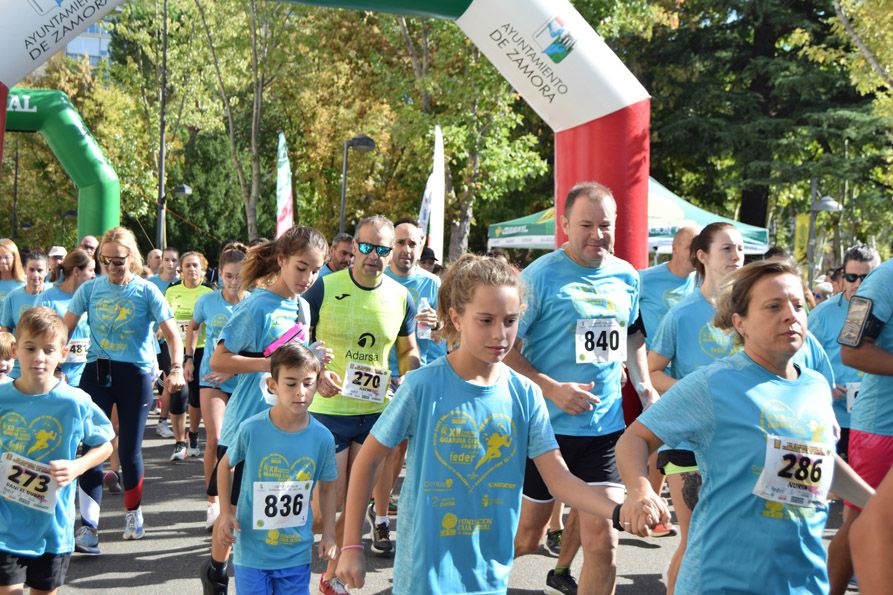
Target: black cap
<point>428,254</point>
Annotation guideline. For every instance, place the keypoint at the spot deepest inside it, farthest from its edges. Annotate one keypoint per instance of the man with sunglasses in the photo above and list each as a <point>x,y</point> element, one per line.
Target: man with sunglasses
<point>864,339</point>
<point>361,314</point>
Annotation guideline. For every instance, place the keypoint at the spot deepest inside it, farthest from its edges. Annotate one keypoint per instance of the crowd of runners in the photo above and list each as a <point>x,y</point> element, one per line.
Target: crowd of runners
<point>320,371</point>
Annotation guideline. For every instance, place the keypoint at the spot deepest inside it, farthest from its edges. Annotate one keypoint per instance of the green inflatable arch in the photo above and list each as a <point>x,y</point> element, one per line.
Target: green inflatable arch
<point>52,114</point>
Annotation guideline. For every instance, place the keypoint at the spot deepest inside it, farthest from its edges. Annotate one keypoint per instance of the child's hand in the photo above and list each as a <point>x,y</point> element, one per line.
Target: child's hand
<point>227,524</point>
<point>352,568</point>
<point>64,471</point>
<point>217,378</point>
<point>328,549</point>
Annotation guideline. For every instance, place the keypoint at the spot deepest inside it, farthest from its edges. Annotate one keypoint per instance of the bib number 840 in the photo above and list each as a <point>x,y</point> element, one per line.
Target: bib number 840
<point>606,341</point>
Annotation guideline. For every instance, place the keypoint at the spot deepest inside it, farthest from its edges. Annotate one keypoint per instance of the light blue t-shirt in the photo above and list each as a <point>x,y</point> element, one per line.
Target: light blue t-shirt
<point>325,270</point>
<point>121,319</point>
<point>461,499</point>
<point>420,284</point>
<point>45,428</point>
<point>559,293</point>
<point>160,283</point>
<point>825,323</point>
<point>688,338</point>
<point>812,356</point>
<point>58,300</point>
<point>16,303</point>
<point>8,285</point>
<point>725,411</point>
<point>661,290</point>
<point>873,410</point>
<point>257,321</point>
<point>270,454</point>
<point>214,312</point>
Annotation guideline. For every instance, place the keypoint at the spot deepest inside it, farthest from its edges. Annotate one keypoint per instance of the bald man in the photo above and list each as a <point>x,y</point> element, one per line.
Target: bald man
<point>667,283</point>
<point>89,244</point>
<point>153,260</point>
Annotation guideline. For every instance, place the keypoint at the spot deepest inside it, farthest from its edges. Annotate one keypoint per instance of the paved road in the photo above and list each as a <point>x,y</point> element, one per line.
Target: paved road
<point>167,560</point>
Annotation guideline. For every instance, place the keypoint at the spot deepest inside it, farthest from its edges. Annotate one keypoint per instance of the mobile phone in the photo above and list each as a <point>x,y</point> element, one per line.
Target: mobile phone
<point>104,372</point>
<point>295,332</point>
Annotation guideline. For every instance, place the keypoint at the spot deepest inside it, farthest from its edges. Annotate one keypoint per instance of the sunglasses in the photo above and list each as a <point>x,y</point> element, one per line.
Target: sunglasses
<point>852,277</point>
<point>113,260</point>
<point>366,248</point>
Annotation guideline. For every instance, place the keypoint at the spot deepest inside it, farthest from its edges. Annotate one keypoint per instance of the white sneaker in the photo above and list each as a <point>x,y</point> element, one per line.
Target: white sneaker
<point>211,515</point>
<point>179,453</point>
<point>163,429</point>
<point>194,451</point>
<point>133,524</point>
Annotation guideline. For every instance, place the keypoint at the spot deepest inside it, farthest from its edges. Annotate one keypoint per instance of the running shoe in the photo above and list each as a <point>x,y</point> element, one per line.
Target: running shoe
<point>179,453</point>
<point>133,524</point>
<point>663,530</point>
<point>553,541</point>
<point>392,506</point>
<point>194,451</point>
<point>163,429</point>
<point>112,482</point>
<point>211,584</point>
<point>381,540</point>
<point>333,586</point>
<point>560,584</point>
<point>86,540</point>
<point>370,513</point>
<point>211,515</point>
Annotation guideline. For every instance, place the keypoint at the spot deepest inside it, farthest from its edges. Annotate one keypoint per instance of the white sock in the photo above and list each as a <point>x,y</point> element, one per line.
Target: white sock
<point>382,519</point>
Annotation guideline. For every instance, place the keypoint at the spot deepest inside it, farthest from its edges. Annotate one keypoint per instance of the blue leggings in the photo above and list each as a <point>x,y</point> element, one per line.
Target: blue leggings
<point>131,392</point>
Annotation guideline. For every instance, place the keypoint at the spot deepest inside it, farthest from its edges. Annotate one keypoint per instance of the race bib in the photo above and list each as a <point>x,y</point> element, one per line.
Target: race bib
<point>280,504</point>
<point>77,351</point>
<point>183,326</point>
<point>852,391</point>
<point>796,472</point>
<point>366,383</point>
<point>600,341</point>
<point>27,482</point>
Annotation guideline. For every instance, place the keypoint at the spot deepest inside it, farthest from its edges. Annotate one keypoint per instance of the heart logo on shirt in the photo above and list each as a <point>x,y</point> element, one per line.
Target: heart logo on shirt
<point>275,467</point>
<point>472,450</point>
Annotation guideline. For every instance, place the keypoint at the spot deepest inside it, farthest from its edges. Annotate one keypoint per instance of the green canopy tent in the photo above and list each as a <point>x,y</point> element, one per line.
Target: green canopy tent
<point>667,212</point>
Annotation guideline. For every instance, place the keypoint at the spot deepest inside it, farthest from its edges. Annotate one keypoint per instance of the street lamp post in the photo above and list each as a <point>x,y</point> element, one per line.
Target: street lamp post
<point>817,205</point>
<point>180,190</point>
<point>362,144</point>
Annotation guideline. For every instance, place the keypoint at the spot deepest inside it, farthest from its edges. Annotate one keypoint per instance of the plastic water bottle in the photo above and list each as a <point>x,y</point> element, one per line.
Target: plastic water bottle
<point>423,331</point>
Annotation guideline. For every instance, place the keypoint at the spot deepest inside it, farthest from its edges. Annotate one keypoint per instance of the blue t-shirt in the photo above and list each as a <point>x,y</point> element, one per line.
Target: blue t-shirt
<point>559,293</point>
<point>121,319</point>
<point>214,312</point>
<point>325,270</point>
<point>58,300</point>
<point>160,283</point>
<point>45,428</point>
<point>812,356</point>
<point>688,338</point>
<point>14,305</point>
<point>257,321</point>
<point>825,323</point>
<point>873,410</point>
<point>420,284</point>
<point>661,290</point>
<point>461,499</point>
<point>270,454</point>
<point>8,285</point>
<point>725,411</point>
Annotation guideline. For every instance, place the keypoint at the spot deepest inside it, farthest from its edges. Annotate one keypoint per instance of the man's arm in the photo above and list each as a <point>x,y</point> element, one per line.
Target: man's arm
<point>571,397</point>
<point>637,365</point>
<point>408,357</point>
<point>868,357</point>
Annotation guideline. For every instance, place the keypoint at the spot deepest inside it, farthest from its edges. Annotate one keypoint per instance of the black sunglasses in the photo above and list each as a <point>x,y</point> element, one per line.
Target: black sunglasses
<point>113,260</point>
<point>852,277</point>
<point>366,248</point>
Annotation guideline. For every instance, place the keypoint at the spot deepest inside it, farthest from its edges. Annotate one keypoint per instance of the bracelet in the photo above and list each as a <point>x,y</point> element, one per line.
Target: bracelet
<point>187,357</point>
<point>355,546</point>
<point>176,367</point>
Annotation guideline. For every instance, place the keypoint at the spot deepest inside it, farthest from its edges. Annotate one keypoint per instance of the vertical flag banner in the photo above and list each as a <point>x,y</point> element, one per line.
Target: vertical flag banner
<point>285,210</point>
<point>434,199</point>
<point>801,236</point>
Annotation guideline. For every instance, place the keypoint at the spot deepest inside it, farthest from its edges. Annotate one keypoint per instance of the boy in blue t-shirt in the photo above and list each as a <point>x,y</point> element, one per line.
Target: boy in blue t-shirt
<point>278,456</point>
<point>44,420</point>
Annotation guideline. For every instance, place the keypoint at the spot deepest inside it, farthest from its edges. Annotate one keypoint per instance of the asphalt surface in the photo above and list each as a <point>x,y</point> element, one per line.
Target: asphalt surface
<point>167,560</point>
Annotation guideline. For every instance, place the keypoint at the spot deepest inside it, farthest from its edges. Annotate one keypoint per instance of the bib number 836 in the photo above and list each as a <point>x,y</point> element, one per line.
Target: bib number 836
<point>284,505</point>
<point>801,468</point>
<point>606,341</point>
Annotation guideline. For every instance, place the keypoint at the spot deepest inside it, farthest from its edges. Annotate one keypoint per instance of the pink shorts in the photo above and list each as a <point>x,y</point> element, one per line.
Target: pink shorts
<point>871,456</point>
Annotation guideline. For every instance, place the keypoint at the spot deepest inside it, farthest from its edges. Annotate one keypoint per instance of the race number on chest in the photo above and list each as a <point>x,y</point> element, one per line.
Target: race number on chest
<point>796,472</point>
<point>27,482</point>
<point>600,341</point>
<point>280,504</point>
<point>366,383</point>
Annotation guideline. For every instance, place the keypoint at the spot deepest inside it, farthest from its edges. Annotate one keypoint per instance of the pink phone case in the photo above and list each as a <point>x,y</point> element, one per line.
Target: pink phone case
<point>295,332</point>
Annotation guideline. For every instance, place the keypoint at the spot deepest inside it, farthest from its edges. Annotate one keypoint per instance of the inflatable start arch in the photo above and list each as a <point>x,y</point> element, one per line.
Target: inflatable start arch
<point>598,110</point>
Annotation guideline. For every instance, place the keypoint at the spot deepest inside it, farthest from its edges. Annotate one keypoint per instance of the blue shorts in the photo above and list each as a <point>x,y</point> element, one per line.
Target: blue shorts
<point>347,428</point>
<point>294,580</point>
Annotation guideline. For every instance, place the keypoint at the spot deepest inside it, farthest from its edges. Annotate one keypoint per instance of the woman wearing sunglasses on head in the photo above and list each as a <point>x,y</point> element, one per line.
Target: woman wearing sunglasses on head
<point>122,309</point>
